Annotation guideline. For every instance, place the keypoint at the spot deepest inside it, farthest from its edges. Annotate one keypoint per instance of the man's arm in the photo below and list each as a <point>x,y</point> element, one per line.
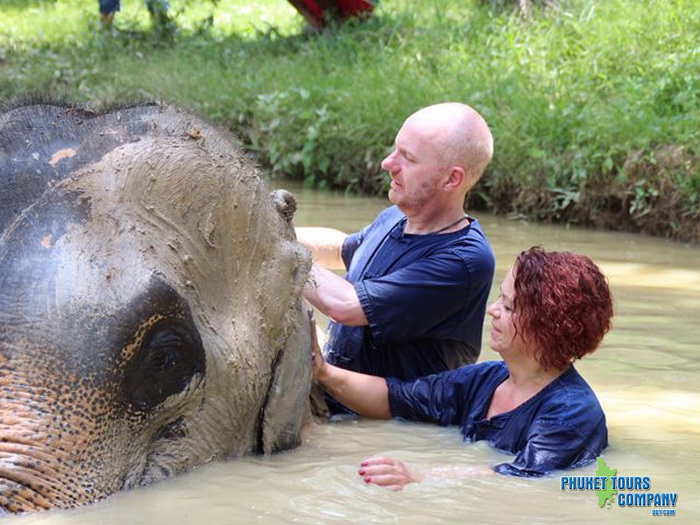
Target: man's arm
<point>325,245</point>
<point>334,296</point>
<point>327,291</point>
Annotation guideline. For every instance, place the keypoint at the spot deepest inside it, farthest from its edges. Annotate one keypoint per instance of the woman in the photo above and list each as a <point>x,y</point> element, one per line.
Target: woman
<point>553,308</point>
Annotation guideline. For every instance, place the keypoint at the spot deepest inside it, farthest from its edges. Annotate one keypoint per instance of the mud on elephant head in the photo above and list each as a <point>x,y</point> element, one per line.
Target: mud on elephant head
<point>150,304</point>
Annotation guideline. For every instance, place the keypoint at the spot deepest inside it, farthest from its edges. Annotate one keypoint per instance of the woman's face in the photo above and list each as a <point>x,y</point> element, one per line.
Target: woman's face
<point>504,337</point>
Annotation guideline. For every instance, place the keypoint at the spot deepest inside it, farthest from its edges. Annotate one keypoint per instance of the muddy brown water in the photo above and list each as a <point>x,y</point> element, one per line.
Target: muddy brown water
<point>646,374</point>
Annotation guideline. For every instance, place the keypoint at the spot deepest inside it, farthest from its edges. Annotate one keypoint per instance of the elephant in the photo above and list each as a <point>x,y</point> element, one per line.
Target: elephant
<point>151,310</point>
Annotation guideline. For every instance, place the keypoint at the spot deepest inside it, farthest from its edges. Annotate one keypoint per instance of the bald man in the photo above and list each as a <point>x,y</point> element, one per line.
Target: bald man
<point>413,300</point>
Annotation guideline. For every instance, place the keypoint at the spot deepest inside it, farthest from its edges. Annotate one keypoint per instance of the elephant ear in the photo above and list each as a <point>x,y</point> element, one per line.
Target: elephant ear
<point>287,405</point>
<point>286,205</point>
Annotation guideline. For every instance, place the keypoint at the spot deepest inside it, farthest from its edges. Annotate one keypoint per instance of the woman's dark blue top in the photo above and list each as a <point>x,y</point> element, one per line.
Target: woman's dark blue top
<point>560,427</point>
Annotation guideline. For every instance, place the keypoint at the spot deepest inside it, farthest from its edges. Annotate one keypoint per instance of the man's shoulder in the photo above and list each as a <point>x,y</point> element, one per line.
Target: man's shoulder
<point>385,220</point>
<point>371,235</point>
<point>472,247</point>
<point>388,215</point>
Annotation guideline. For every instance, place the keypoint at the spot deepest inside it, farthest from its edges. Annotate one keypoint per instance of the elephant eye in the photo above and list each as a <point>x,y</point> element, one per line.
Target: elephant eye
<point>164,365</point>
<point>166,350</point>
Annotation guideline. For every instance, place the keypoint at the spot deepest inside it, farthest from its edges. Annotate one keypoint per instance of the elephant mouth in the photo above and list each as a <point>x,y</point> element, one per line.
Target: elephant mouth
<point>19,494</point>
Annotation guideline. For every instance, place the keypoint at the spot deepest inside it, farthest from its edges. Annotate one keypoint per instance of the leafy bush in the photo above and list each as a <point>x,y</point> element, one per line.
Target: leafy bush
<point>594,105</point>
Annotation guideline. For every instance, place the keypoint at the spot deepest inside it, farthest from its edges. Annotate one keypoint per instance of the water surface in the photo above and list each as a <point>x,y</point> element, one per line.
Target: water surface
<point>646,374</point>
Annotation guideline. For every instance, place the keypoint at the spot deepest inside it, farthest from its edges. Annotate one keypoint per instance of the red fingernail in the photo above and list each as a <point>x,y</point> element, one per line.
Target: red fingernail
<point>361,472</point>
<point>368,479</point>
<point>363,464</point>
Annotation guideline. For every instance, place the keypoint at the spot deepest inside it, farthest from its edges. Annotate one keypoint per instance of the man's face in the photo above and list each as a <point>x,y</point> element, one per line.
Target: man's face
<point>414,168</point>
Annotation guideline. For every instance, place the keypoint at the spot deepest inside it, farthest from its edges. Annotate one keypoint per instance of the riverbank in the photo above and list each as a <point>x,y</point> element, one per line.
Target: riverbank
<point>594,105</point>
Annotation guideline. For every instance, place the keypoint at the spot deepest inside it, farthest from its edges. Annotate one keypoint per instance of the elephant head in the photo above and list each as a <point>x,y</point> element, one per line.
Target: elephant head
<point>150,304</point>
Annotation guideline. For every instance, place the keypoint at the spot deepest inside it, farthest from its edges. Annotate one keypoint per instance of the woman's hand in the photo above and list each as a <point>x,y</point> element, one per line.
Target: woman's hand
<point>317,361</point>
<point>386,472</point>
<point>367,395</point>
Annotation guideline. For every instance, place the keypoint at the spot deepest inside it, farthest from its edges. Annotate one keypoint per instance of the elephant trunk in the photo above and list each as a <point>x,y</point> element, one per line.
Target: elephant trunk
<point>36,469</point>
<point>26,480</point>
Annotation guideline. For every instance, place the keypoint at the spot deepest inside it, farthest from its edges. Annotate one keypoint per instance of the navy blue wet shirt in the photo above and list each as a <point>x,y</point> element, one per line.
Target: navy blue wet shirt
<point>424,297</point>
<point>561,427</point>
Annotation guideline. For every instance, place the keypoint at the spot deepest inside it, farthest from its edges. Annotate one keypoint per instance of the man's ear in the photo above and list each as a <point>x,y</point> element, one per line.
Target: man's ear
<point>456,178</point>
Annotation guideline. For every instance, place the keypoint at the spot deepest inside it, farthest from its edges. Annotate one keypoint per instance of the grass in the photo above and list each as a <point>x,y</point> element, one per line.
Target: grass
<point>594,105</point>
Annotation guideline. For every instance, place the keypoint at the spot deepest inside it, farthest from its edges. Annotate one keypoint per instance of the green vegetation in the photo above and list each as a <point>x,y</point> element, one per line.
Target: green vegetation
<point>594,105</point>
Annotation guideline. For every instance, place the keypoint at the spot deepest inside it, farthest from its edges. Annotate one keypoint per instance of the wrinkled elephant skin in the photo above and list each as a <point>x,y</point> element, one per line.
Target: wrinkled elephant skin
<point>150,304</point>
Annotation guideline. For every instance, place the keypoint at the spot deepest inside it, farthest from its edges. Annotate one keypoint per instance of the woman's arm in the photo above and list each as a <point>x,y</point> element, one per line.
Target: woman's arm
<point>367,395</point>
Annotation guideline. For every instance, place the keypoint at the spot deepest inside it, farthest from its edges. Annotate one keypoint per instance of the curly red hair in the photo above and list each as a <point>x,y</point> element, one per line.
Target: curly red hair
<point>563,304</point>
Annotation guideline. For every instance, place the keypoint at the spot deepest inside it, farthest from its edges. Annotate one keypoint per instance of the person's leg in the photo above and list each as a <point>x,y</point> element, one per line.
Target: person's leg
<point>107,9</point>
<point>159,11</point>
<point>318,13</point>
<point>310,11</point>
<point>157,6</point>
<point>330,9</point>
